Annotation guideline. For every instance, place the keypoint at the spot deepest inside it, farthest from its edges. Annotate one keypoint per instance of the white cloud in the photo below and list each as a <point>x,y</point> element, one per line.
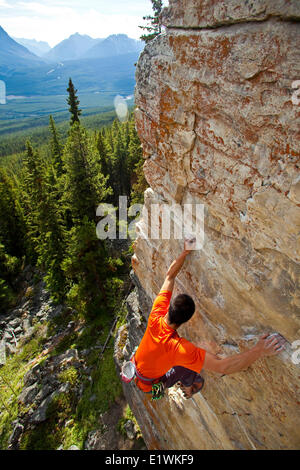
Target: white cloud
<point>54,31</point>
<point>45,10</point>
<point>4,4</point>
<point>53,20</point>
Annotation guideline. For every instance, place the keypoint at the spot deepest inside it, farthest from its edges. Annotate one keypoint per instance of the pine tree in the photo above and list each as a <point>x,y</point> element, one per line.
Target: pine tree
<point>120,174</point>
<point>32,194</point>
<point>135,151</point>
<point>9,269</point>
<point>84,186</point>
<point>104,160</point>
<point>73,102</point>
<point>91,272</point>
<point>140,185</point>
<point>155,27</point>
<point>56,148</point>
<point>12,240</point>
<point>51,248</point>
<point>11,218</point>
<point>138,182</point>
<point>44,220</point>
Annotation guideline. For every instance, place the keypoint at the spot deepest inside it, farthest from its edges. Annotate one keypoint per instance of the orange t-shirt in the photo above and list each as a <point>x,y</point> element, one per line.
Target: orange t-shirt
<point>162,348</point>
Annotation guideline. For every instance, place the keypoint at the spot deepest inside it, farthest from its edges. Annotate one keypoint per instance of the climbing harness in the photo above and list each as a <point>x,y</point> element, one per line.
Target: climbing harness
<point>129,372</point>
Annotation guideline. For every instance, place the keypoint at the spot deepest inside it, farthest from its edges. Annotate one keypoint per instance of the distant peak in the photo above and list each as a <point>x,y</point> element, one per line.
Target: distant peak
<point>118,35</point>
<point>78,35</point>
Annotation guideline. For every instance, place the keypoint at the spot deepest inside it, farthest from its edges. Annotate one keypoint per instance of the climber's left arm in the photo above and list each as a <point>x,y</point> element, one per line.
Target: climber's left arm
<point>266,346</point>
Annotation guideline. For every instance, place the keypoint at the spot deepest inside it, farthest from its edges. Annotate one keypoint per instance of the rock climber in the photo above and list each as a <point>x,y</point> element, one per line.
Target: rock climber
<point>163,358</point>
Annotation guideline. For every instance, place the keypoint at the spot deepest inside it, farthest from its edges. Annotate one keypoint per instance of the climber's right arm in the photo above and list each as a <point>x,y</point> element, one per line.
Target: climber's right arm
<point>265,347</point>
<point>176,266</point>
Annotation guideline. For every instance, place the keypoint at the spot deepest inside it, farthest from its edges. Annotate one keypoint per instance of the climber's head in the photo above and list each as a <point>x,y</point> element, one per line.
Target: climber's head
<point>181,309</point>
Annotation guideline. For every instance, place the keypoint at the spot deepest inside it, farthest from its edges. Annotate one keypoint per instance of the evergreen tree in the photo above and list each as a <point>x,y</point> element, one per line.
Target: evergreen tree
<point>73,102</point>
<point>125,135</point>
<point>32,194</point>
<point>120,174</point>
<point>52,202</point>
<point>138,182</point>
<point>9,269</point>
<point>104,160</point>
<point>44,221</point>
<point>56,148</point>
<point>11,217</point>
<point>84,186</point>
<point>140,185</point>
<point>135,151</point>
<point>91,272</point>
<point>12,240</point>
<point>155,27</point>
<point>51,248</point>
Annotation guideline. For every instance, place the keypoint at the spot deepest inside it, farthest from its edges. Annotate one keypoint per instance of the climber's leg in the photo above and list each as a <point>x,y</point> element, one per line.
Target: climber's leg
<point>196,386</point>
<point>178,374</point>
<point>191,382</point>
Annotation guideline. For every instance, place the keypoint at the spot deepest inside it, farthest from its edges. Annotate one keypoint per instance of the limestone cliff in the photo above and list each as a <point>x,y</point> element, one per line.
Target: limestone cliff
<point>219,127</point>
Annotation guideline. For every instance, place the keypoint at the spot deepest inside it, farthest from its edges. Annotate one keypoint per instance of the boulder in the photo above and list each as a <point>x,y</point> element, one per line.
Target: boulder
<point>15,436</point>
<point>28,394</point>
<point>40,414</point>
<point>130,429</point>
<point>10,349</point>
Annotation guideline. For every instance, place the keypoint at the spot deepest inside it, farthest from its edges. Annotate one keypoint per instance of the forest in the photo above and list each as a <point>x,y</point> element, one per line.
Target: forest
<point>48,203</point>
<point>49,195</point>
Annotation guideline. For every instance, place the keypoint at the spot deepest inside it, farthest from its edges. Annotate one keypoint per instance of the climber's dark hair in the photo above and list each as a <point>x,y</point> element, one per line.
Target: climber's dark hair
<point>181,309</point>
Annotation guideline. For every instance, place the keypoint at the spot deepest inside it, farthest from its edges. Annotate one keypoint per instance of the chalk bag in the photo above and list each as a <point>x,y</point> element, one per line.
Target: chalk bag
<point>128,372</point>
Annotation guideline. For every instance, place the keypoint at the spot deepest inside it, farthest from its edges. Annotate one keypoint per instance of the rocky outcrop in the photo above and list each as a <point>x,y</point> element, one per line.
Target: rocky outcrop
<point>42,384</point>
<point>17,325</point>
<point>57,379</point>
<point>218,127</point>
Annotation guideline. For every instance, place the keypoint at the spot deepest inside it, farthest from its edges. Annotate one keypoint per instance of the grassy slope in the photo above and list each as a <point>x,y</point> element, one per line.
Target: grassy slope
<point>82,416</point>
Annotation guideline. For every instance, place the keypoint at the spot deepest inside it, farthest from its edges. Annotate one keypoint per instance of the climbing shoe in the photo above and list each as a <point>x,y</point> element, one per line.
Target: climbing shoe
<point>196,386</point>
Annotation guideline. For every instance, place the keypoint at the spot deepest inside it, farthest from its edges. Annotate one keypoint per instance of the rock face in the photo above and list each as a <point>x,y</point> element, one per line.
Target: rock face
<point>219,128</point>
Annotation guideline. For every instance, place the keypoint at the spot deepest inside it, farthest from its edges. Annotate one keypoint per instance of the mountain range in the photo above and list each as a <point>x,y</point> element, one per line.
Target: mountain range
<point>38,48</point>
<point>72,48</point>
<point>13,54</point>
<point>79,46</point>
<point>94,64</point>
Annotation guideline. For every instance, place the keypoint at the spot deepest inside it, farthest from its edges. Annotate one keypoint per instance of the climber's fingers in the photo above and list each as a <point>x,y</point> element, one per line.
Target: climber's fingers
<point>273,344</point>
<point>190,243</point>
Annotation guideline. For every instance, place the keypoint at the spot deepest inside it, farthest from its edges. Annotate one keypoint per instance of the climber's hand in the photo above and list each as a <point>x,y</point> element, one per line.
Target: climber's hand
<point>270,345</point>
<point>189,244</point>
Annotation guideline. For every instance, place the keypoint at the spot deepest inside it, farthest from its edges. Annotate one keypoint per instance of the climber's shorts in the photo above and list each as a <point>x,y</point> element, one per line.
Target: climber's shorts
<point>180,374</point>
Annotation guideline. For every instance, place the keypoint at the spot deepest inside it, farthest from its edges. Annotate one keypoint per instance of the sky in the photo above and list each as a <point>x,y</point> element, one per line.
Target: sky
<point>55,20</point>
